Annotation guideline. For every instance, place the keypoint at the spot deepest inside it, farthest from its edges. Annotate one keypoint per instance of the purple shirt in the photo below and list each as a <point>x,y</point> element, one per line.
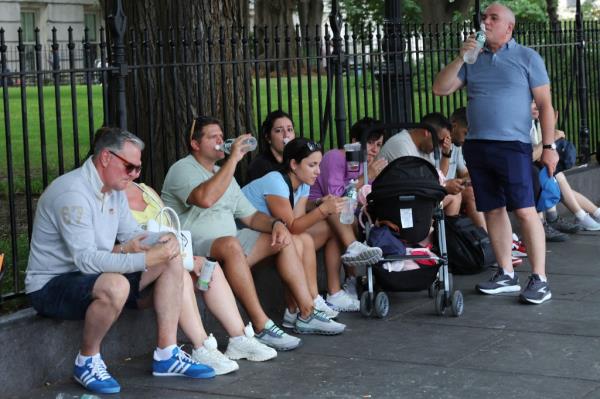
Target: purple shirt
<point>334,175</point>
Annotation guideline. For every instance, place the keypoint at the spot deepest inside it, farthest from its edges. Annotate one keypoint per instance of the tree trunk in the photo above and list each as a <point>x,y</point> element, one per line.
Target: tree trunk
<point>271,19</point>
<point>163,96</point>
<point>551,9</point>
<point>434,12</point>
<point>310,13</point>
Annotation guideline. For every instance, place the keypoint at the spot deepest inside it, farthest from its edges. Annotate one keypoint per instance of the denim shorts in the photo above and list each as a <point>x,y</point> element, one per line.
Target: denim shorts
<point>68,296</point>
<point>501,173</point>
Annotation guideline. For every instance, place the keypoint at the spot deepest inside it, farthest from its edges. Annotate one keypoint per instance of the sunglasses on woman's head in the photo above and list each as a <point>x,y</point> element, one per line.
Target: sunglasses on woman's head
<point>313,146</point>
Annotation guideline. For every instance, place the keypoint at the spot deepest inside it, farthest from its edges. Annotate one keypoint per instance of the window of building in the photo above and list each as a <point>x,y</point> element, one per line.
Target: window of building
<point>28,26</point>
<point>90,24</point>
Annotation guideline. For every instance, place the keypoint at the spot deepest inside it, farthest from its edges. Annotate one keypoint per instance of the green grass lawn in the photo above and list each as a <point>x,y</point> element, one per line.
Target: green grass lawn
<point>51,133</point>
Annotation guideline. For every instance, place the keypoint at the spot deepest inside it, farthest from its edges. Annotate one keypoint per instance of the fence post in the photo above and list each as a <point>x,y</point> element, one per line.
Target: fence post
<point>335,19</point>
<point>118,25</point>
<point>395,78</point>
<point>584,131</point>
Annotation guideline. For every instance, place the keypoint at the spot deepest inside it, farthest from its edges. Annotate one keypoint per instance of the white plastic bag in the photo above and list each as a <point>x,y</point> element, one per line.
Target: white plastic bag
<point>183,236</point>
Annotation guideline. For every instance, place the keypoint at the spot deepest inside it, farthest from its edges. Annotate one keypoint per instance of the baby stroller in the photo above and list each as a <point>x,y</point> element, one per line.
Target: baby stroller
<point>408,194</point>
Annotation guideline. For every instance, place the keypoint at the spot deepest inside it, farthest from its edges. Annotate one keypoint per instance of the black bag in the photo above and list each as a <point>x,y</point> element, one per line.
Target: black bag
<point>469,247</point>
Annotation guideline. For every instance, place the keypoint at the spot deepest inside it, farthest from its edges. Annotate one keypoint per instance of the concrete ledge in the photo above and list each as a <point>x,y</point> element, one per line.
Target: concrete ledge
<point>41,351</point>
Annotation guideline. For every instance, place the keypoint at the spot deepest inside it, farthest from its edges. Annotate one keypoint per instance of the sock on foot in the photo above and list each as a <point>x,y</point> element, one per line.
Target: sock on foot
<point>511,274</point>
<point>543,278</point>
<point>551,215</point>
<point>81,359</point>
<point>580,214</point>
<point>597,213</point>
<point>164,353</point>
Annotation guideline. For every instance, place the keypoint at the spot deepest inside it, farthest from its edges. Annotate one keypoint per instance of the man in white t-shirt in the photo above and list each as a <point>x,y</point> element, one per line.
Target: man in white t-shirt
<point>419,143</point>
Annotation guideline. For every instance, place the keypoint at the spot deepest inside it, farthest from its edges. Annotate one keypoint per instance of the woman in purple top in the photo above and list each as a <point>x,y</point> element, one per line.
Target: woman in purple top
<point>333,180</point>
<point>335,173</point>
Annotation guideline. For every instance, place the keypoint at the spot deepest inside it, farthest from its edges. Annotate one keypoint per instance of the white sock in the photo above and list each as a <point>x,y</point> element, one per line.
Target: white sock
<point>597,213</point>
<point>81,359</point>
<point>164,353</point>
<point>580,214</point>
<point>511,274</point>
<point>238,338</point>
<point>543,278</point>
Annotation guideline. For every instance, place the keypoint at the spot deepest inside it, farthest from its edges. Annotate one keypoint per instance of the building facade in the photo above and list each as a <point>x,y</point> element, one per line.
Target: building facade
<point>46,15</point>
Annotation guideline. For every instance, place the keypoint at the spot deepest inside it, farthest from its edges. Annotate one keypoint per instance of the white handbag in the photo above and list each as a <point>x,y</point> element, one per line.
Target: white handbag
<point>183,236</point>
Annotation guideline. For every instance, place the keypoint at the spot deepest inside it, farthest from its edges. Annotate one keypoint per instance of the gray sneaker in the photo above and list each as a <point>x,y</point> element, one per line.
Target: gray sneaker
<point>276,338</point>
<point>536,291</point>
<point>564,226</point>
<point>589,224</point>
<point>553,235</point>
<point>318,323</point>
<point>499,283</point>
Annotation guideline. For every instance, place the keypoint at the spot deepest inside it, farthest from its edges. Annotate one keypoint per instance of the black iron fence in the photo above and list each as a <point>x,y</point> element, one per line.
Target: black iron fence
<point>153,82</point>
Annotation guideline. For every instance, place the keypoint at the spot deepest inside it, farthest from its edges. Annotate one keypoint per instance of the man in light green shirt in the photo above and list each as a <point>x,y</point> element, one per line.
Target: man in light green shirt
<point>208,201</point>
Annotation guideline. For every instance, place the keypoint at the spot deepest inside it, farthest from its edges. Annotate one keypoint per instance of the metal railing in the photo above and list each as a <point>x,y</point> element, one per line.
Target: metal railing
<point>326,80</point>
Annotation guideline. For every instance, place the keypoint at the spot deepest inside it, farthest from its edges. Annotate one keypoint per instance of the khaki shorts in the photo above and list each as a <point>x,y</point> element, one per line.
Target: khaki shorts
<point>247,238</point>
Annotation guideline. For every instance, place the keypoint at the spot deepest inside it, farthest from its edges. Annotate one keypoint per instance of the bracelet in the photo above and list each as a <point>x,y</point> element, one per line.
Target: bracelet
<point>277,221</point>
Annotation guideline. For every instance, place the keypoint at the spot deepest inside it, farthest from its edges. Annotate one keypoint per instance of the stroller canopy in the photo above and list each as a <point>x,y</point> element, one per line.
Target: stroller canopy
<point>408,176</point>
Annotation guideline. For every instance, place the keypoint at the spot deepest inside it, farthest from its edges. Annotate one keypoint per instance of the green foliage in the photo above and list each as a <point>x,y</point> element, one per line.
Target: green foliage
<point>525,10</point>
<point>360,11</point>
<point>591,10</point>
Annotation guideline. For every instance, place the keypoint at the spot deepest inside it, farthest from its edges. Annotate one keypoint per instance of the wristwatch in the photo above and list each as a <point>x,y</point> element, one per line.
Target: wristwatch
<point>549,146</point>
<point>448,155</point>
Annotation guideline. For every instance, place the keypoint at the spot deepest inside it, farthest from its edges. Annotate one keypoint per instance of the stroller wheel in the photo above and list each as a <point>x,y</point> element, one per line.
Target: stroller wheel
<point>440,303</point>
<point>382,304</point>
<point>366,307</point>
<point>457,303</point>
<point>432,288</point>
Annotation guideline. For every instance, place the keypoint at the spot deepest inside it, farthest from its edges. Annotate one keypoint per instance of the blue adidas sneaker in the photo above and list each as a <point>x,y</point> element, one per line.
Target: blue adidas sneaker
<point>181,365</point>
<point>94,376</point>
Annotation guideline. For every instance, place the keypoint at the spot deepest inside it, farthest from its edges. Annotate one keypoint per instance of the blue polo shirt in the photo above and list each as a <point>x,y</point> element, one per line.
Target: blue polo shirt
<point>499,92</point>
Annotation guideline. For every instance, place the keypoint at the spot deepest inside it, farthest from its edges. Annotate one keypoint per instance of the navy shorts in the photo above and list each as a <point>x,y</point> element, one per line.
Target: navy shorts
<point>68,296</point>
<point>501,173</point>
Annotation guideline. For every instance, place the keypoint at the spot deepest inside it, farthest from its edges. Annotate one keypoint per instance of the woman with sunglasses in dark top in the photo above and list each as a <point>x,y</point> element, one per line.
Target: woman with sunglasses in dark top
<point>284,195</point>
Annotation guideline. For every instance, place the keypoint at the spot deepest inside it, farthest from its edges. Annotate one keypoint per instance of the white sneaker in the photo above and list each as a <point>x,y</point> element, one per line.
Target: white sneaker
<point>350,286</point>
<point>247,347</point>
<point>209,354</point>
<point>588,223</point>
<point>359,254</point>
<point>342,302</point>
<point>289,318</point>
<point>320,304</point>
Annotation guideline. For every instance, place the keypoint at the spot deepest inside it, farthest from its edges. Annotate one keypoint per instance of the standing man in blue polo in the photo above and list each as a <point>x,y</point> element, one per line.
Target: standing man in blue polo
<point>500,86</point>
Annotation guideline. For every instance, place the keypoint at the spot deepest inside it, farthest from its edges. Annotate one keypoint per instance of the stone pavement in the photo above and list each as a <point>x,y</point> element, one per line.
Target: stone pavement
<point>498,348</point>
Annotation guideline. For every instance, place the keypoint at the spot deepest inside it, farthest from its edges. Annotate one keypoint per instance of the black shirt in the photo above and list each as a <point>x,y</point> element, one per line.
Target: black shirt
<point>264,163</point>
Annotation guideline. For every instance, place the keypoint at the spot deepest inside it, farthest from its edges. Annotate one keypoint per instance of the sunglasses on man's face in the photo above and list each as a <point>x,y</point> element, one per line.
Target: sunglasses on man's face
<point>129,167</point>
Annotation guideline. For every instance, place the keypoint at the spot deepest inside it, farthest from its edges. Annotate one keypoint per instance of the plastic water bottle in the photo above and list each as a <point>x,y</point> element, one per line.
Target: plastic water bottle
<point>347,214</point>
<point>226,146</point>
<point>471,56</point>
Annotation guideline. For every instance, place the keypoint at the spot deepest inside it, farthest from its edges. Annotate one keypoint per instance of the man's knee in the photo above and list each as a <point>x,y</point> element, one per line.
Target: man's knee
<point>526,214</point>
<point>113,288</point>
<point>226,245</point>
